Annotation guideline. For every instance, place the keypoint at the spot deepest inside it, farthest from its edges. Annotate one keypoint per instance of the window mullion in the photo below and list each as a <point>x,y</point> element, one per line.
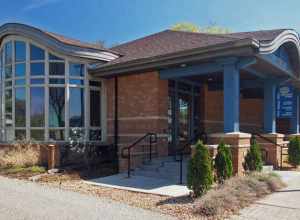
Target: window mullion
<point>46,103</point>
<point>67,101</point>
<point>27,75</point>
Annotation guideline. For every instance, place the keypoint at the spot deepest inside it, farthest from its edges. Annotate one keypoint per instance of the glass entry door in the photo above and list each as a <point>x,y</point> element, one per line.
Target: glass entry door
<point>183,115</point>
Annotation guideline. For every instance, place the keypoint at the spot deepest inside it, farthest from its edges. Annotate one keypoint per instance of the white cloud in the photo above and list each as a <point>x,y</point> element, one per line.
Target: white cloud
<point>34,4</point>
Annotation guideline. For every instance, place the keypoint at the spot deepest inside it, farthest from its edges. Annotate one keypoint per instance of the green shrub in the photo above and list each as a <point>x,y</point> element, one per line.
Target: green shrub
<point>223,163</point>
<point>253,159</point>
<point>199,175</point>
<point>294,151</point>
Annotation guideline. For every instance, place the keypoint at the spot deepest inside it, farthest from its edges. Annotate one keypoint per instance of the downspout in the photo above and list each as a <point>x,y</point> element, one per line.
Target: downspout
<point>116,125</point>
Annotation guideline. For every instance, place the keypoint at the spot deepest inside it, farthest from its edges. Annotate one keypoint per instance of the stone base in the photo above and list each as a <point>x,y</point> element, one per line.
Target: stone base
<point>239,143</point>
<point>272,152</point>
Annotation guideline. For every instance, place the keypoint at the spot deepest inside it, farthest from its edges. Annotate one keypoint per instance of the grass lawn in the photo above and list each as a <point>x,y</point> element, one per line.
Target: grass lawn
<point>21,172</point>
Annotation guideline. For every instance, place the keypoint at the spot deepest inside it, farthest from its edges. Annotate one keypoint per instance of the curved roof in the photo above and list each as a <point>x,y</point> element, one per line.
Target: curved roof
<point>66,46</point>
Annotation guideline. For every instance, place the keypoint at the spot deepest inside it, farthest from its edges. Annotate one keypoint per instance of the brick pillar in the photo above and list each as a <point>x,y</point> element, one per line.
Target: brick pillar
<point>273,152</point>
<point>239,143</point>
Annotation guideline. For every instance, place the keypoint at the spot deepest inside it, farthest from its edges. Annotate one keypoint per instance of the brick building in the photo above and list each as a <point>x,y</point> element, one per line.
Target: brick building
<point>175,84</point>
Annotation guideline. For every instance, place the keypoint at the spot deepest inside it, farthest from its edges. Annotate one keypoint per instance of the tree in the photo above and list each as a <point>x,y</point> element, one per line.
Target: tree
<point>253,159</point>
<point>199,176</point>
<point>294,151</point>
<point>190,27</point>
<point>186,26</point>
<point>223,163</point>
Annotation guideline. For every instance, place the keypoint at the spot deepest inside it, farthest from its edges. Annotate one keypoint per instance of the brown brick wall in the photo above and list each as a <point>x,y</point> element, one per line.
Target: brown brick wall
<point>142,108</point>
<point>251,112</point>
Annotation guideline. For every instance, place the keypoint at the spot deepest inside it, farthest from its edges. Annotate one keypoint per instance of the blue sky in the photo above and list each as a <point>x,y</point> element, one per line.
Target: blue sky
<point>117,21</point>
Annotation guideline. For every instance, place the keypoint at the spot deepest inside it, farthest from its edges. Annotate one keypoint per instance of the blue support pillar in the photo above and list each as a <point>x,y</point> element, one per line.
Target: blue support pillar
<point>231,84</point>
<point>270,106</point>
<point>295,117</point>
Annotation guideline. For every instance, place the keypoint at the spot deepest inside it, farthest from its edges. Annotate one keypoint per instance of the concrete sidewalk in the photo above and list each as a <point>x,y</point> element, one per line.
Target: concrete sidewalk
<point>21,200</point>
<point>284,204</point>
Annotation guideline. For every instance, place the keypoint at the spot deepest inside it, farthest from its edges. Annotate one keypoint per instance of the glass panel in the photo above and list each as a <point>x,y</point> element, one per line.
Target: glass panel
<point>95,110</point>
<point>8,71</point>
<point>37,107</point>
<point>8,53</point>
<point>20,134</point>
<point>37,81</point>
<point>53,57</point>
<point>95,135</point>
<point>8,83</point>
<point>9,132</point>
<point>8,101</point>
<point>77,81</point>
<point>37,69</point>
<point>20,107</point>
<point>76,69</point>
<point>20,70</point>
<point>76,107</point>
<point>56,81</point>
<point>95,83</point>
<point>77,134</point>
<point>20,51</point>
<point>56,107</point>
<point>19,82</point>
<point>57,135</point>
<point>57,69</point>
<point>37,135</point>
<point>36,53</point>
<point>8,119</point>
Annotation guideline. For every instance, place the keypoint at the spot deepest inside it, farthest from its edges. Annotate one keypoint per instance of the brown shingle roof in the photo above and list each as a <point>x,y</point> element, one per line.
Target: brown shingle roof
<point>74,42</point>
<point>169,41</point>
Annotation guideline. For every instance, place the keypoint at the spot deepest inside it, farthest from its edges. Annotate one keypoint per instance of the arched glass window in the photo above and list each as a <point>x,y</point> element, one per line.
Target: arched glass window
<point>47,96</point>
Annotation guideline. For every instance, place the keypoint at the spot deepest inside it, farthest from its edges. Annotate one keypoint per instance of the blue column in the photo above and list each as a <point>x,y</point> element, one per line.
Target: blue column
<point>269,106</point>
<point>231,85</point>
<point>295,117</point>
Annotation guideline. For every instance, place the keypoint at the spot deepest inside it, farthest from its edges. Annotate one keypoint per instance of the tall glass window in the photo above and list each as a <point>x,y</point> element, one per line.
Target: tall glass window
<point>56,107</point>
<point>20,107</point>
<point>46,86</point>
<point>76,107</point>
<point>37,107</point>
<point>20,51</point>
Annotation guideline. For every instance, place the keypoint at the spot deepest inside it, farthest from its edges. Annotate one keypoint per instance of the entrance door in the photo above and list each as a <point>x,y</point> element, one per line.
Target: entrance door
<point>183,115</point>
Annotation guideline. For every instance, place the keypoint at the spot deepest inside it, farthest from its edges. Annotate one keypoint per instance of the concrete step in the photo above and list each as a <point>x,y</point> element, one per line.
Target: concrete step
<point>267,168</point>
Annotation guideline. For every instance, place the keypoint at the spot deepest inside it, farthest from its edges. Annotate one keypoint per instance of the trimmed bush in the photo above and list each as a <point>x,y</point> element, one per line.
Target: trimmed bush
<point>223,163</point>
<point>294,151</point>
<point>253,159</point>
<point>199,175</point>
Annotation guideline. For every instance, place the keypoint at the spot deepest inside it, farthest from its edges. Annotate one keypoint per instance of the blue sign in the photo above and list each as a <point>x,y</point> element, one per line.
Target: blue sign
<point>284,102</point>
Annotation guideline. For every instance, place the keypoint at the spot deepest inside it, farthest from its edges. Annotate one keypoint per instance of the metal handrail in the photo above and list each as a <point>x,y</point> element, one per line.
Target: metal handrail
<point>272,142</point>
<point>202,136</point>
<point>152,140</point>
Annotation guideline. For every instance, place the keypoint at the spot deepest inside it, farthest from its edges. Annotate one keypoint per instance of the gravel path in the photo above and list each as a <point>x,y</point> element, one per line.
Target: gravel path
<point>26,200</point>
<point>284,204</point>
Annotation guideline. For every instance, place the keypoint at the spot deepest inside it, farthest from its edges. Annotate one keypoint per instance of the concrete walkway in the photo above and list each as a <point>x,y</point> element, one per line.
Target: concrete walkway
<point>142,184</point>
<point>281,205</point>
<point>29,201</point>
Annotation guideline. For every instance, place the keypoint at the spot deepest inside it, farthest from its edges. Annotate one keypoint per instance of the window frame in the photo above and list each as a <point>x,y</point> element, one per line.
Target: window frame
<point>28,77</point>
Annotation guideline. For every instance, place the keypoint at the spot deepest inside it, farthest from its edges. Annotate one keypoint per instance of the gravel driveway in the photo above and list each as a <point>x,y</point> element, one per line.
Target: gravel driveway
<point>26,200</point>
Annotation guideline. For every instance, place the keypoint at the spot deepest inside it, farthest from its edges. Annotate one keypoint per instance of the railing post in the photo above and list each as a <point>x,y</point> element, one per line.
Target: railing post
<point>129,163</point>
<point>181,159</point>
<point>150,142</point>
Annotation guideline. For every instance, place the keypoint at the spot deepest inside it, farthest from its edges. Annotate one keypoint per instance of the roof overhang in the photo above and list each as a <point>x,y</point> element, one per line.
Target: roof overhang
<point>244,47</point>
<point>54,44</point>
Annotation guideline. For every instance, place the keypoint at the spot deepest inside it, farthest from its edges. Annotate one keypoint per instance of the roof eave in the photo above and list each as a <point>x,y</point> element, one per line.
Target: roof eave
<point>54,44</point>
<point>244,47</point>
